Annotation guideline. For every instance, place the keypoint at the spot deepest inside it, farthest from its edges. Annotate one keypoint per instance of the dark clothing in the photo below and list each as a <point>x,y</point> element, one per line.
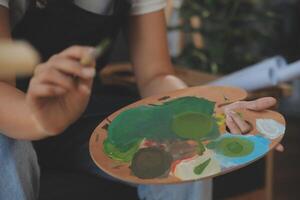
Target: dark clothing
<point>52,29</point>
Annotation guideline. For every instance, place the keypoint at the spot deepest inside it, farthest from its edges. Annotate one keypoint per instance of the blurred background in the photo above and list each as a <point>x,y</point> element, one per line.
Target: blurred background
<point>222,36</point>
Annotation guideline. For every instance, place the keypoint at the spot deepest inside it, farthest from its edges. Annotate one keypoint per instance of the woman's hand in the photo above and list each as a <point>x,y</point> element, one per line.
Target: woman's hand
<point>234,121</point>
<point>60,89</point>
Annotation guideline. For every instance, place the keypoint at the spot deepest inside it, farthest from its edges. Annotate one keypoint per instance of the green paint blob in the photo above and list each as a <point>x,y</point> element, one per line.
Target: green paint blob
<point>116,154</point>
<point>212,145</point>
<point>200,168</point>
<point>155,122</point>
<point>200,148</point>
<point>192,125</point>
<point>235,146</point>
<point>150,163</point>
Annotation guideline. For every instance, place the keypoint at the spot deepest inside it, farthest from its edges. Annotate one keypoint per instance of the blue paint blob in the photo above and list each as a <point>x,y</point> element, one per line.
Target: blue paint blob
<point>261,147</point>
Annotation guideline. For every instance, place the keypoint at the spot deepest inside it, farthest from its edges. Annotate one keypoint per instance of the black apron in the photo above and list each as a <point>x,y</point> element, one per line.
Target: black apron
<point>52,29</point>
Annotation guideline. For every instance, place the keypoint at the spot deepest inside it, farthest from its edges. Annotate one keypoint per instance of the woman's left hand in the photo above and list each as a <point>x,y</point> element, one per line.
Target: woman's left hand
<point>237,125</point>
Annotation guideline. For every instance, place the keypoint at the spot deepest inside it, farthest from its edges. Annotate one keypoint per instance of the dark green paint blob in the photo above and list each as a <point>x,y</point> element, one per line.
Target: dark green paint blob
<point>200,168</point>
<point>192,125</point>
<point>116,154</point>
<point>150,163</point>
<point>234,146</point>
<point>155,122</point>
<point>200,148</point>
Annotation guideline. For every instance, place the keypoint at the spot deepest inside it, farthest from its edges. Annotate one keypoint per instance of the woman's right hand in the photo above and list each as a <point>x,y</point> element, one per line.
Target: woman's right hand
<point>55,97</point>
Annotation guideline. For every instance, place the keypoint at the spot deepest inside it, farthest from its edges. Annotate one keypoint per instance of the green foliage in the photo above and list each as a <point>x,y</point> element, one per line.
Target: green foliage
<point>236,33</point>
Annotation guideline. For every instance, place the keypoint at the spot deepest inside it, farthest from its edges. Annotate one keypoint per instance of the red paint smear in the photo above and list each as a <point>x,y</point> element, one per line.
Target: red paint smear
<point>151,143</point>
<point>175,163</point>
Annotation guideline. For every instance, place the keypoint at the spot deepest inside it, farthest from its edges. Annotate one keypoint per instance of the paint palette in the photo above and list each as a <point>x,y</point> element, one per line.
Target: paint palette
<point>181,136</point>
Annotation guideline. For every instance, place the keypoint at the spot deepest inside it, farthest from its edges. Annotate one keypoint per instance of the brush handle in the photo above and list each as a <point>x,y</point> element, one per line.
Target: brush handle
<point>97,52</point>
<point>17,58</point>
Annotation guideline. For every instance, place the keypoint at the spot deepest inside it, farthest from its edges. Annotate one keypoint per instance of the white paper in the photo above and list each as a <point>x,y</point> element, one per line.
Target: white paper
<point>256,76</point>
<point>289,73</point>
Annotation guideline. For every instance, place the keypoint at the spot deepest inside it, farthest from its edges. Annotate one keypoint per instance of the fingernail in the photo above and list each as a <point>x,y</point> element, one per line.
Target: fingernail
<point>232,112</point>
<point>88,72</point>
<point>228,117</point>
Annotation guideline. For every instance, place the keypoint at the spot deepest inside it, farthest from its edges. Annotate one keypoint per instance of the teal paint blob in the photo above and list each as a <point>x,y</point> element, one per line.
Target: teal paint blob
<point>234,150</point>
<point>232,145</point>
<point>235,146</point>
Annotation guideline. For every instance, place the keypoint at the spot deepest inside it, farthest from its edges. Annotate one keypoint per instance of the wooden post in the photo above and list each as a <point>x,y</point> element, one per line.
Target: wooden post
<point>269,175</point>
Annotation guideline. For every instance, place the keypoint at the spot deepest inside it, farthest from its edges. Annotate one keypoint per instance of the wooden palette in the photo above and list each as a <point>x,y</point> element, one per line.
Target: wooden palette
<point>221,154</point>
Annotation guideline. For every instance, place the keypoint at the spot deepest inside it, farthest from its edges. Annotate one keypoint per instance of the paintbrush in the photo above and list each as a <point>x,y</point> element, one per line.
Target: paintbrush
<point>88,59</point>
<point>17,58</point>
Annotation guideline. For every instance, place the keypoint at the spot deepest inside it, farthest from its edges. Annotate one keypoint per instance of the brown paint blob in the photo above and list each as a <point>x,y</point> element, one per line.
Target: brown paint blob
<point>150,163</point>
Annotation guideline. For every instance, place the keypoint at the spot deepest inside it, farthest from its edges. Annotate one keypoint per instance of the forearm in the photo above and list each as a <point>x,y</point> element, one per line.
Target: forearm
<point>16,120</point>
<point>149,54</point>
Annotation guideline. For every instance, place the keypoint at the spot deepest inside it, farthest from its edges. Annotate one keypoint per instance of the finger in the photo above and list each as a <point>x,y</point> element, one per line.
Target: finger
<point>240,122</point>
<point>72,67</point>
<point>235,106</point>
<point>231,125</point>
<point>279,148</point>
<point>84,86</point>
<point>40,68</point>
<point>261,104</point>
<point>76,52</point>
<point>45,90</point>
<point>57,78</point>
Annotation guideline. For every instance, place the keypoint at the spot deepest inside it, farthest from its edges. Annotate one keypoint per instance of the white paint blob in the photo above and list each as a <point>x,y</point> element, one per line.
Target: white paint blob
<point>185,169</point>
<point>270,128</point>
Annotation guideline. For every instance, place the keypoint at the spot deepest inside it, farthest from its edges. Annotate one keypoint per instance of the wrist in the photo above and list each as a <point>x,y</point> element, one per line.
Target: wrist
<point>162,84</point>
<point>39,128</point>
<point>45,131</point>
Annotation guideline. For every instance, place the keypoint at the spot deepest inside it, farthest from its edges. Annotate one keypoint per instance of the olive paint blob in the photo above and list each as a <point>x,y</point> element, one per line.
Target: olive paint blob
<point>233,146</point>
<point>192,125</point>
